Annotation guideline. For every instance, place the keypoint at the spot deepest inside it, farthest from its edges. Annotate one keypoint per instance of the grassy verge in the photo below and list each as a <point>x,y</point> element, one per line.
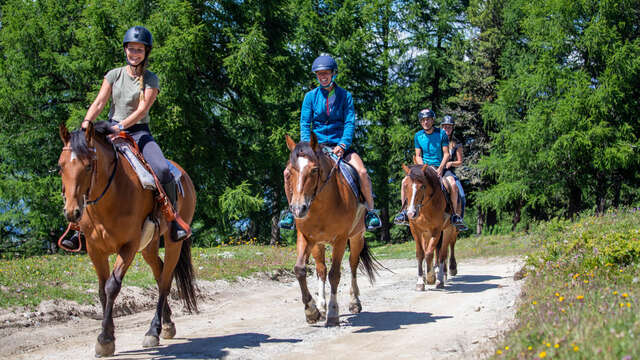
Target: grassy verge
<point>27,282</point>
<point>581,294</point>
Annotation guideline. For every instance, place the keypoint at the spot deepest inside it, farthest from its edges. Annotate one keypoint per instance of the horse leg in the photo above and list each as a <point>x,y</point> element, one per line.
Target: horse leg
<point>150,255</point>
<point>152,337</point>
<point>356,245</point>
<point>429,243</point>
<point>333,313</point>
<point>442,259</point>
<point>453,265</point>
<point>420,258</point>
<point>104,347</point>
<point>310,310</point>
<point>106,340</point>
<point>321,272</point>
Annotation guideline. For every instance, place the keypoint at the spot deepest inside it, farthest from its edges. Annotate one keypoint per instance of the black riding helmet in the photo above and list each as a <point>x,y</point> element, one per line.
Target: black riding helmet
<point>139,34</point>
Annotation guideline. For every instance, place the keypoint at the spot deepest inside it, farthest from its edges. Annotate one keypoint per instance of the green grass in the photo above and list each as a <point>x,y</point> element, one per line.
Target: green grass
<point>582,293</point>
<point>28,281</point>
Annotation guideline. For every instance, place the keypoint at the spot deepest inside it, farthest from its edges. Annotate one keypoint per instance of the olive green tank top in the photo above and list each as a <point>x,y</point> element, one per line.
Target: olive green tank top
<point>125,93</point>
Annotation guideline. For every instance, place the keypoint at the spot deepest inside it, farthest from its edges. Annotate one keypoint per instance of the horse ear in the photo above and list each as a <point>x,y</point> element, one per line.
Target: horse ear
<point>406,169</point>
<point>89,133</point>
<point>424,168</point>
<point>64,133</point>
<point>290,143</point>
<point>314,142</point>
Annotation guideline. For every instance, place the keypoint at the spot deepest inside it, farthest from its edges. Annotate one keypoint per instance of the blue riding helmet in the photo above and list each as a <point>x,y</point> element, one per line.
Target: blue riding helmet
<point>447,120</point>
<point>138,34</point>
<point>426,113</point>
<point>324,62</point>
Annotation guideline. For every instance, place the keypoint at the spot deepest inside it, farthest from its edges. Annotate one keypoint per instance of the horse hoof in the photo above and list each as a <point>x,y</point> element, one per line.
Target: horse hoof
<point>332,321</point>
<point>168,331</point>
<point>440,285</point>
<point>150,341</point>
<point>355,307</point>
<point>419,287</point>
<point>105,350</point>
<point>313,316</point>
<point>431,278</point>
<point>453,271</point>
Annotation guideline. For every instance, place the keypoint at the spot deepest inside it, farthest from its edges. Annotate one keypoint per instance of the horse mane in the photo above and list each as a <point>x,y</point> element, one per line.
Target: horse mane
<point>302,148</point>
<point>79,140</point>
<point>428,177</point>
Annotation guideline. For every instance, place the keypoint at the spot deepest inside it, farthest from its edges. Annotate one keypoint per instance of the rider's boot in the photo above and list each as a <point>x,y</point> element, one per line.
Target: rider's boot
<point>457,221</point>
<point>73,242</point>
<point>179,232</point>
<point>287,221</point>
<point>372,220</point>
<point>401,218</point>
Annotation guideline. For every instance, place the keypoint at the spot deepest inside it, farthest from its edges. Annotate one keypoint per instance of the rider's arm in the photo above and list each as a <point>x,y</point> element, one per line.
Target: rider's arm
<point>98,104</point>
<point>305,117</point>
<point>349,123</point>
<point>445,158</point>
<point>150,95</point>
<point>458,162</point>
<point>418,158</point>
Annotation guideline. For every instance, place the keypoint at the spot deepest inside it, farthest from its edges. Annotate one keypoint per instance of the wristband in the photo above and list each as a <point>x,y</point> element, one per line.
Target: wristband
<point>120,127</point>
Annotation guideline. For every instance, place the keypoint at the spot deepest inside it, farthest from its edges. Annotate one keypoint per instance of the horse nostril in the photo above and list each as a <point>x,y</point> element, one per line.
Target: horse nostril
<point>303,208</point>
<point>76,213</point>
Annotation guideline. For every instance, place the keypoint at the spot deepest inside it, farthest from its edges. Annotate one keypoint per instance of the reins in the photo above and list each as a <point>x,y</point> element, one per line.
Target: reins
<point>325,182</point>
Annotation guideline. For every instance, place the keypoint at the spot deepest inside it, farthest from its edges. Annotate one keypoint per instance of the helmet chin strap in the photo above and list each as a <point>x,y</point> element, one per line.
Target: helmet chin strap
<point>333,79</point>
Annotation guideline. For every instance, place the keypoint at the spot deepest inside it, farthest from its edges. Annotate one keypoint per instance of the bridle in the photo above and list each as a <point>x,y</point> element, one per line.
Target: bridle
<point>317,191</point>
<point>94,162</point>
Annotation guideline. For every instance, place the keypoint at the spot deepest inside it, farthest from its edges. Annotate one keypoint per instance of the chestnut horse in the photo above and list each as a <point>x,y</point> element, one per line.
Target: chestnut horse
<point>103,196</point>
<point>326,212</point>
<point>429,223</point>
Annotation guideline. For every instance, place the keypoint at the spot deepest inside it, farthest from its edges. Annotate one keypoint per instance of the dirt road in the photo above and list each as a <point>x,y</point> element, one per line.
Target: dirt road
<point>262,319</point>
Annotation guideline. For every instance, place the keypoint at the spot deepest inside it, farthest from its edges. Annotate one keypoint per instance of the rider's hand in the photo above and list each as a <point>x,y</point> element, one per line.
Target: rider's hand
<point>85,124</point>
<point>440,171</point>
<point>338,150</point>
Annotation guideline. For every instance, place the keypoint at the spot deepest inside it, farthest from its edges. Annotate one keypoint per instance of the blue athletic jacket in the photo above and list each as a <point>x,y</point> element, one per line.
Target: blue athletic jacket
<point>336,128</point>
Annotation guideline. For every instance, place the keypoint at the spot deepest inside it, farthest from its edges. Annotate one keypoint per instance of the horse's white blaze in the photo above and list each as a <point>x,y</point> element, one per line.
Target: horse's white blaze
<point>412,208</point>
<point>302,163</point>
<point>73,156</point>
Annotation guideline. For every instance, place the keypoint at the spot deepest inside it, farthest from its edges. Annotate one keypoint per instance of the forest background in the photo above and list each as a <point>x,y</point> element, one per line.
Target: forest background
<point>545,96</point>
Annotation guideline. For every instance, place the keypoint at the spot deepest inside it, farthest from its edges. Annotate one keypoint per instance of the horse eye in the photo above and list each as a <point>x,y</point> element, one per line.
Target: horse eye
<point>314,170</point>
<point>88,168</point>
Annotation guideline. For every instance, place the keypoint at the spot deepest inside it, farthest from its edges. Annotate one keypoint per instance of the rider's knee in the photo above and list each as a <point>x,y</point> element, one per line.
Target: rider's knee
<point>363,173</point>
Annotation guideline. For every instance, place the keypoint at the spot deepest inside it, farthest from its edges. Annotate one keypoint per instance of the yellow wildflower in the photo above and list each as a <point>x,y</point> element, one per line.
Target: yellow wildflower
<point>624,295</point>
<point>556,346</point>
<point>561,298</point>
<point>615,293</point>
<point>576,348</point>
<point>498,351</point>
<point>529,348</point>
<point>542,354</point>
<point>579,297</point>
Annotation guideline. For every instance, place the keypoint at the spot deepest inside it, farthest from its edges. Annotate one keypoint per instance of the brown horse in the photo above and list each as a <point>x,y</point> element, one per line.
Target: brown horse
<point>326,212</point>
<point>429,223</point>
<point>103,195</point>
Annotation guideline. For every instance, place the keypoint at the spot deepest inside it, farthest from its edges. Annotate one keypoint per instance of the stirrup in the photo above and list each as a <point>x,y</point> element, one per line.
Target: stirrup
<point>457,221</point>
<point>74,243</point>
<point>287,221</point>
<point>401,219</point>
<point>372,221</point>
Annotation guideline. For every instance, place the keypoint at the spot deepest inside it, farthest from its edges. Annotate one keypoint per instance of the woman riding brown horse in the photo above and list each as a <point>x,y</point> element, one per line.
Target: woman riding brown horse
<point>103,196</point>
<point>326,212</point>
<point>426,209</point>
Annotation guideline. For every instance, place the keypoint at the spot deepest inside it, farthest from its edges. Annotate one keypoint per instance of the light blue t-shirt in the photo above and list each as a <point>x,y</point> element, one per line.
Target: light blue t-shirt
<point>431,145</point>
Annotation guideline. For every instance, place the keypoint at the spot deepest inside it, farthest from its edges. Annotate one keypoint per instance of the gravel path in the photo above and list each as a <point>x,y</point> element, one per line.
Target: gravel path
<point>264,319</point>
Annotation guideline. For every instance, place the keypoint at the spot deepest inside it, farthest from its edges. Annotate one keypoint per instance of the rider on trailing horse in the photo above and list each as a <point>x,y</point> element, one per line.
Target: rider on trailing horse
<point>328,111</point>
<point>432,148</point>
<point>133,90</point>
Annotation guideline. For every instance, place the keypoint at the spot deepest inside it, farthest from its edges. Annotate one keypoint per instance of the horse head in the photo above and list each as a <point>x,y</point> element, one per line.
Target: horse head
<point>77,165</point>
<point>419,187</point>
<point>306,175</point>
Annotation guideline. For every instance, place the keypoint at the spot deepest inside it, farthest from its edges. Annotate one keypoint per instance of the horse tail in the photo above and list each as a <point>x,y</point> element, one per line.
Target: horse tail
<point>368,263</point>
<point>185,277</point>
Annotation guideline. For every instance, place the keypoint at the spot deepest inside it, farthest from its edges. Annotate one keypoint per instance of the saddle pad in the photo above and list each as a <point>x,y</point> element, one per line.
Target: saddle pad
<point>349,172</point>
<point>175,172</point>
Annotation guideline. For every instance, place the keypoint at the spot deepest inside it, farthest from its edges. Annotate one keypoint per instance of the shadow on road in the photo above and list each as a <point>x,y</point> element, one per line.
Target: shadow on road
<point>206,348</point>
<point>389,320</point>
<point>471,283</point>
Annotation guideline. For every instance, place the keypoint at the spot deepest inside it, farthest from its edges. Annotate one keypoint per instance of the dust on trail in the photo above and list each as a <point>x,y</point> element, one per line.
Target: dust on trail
<point>264,319</point>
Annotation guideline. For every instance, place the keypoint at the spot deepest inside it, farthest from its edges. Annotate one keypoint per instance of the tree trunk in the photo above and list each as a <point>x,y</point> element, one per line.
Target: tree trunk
<point>480,222</point>
<point>385,233</point>
<point>516,216</point>
<point>575,199</point>
<point>275,230</point>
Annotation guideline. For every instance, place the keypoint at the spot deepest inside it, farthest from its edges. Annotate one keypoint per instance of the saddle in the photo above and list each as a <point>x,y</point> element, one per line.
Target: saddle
<point>348,172</point>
